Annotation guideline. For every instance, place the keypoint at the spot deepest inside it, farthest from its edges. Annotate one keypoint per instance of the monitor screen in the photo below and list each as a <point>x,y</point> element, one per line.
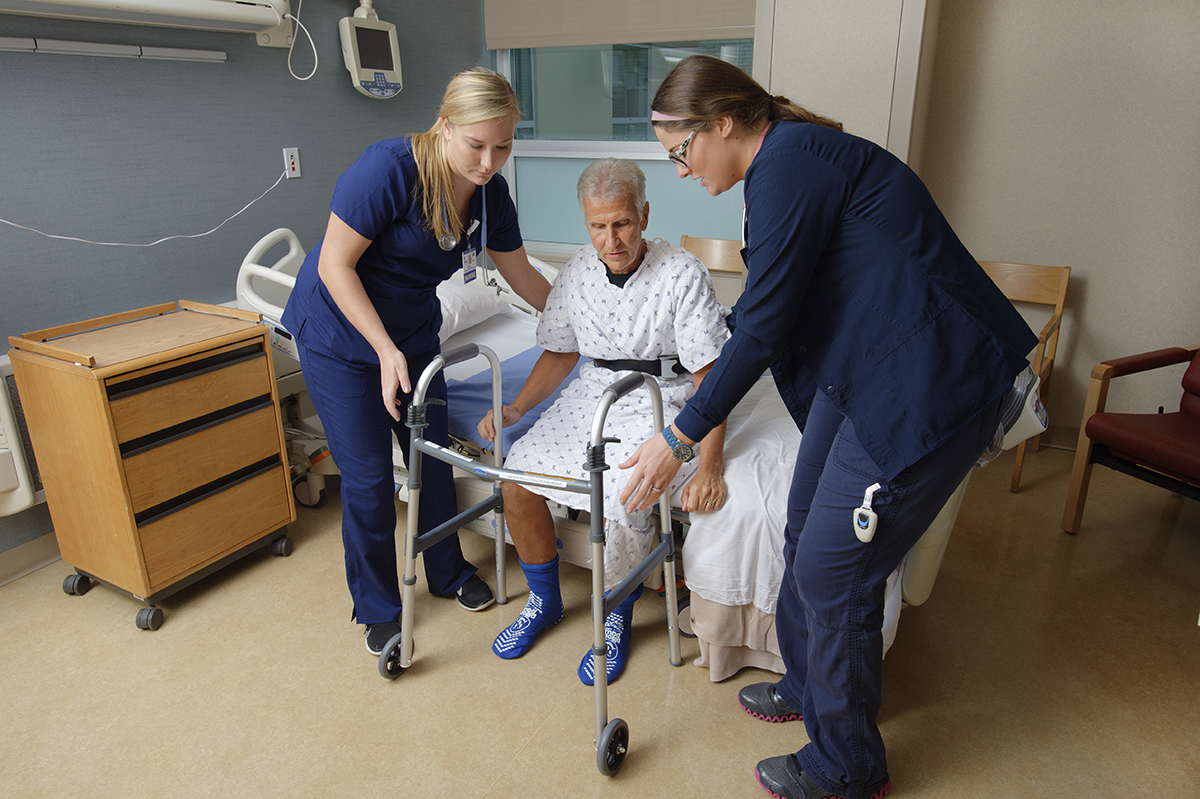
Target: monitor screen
<point>374,49</point>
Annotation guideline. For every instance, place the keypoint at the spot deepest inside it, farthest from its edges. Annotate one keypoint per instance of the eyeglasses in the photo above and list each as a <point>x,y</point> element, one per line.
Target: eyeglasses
<point>677,154</point>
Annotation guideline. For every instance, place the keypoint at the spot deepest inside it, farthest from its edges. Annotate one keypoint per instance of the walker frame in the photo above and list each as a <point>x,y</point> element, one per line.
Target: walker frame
<point>612,737</point>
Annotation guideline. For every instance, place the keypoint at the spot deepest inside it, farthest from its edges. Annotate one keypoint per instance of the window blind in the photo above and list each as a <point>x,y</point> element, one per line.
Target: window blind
<point>511,24</point>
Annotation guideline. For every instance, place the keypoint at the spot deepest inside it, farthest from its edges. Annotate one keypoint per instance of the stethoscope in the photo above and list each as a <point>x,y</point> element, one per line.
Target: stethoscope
<point>449,241</point>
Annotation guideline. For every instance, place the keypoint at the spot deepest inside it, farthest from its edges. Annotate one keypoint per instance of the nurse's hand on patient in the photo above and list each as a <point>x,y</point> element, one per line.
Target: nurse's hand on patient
<point>704,493</point>
<point>487,425</point>
<point>393,377</point>
<point>653,469</point>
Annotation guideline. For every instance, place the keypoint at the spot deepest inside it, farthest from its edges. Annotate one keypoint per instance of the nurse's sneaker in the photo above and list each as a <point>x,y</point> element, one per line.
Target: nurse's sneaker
<point>379,634</point>
<point>474,594</point>
<point>783,778</point>
<point>762,700</point>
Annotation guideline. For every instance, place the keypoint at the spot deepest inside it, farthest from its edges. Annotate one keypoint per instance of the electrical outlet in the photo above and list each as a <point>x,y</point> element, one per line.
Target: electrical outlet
<point>291,161</point>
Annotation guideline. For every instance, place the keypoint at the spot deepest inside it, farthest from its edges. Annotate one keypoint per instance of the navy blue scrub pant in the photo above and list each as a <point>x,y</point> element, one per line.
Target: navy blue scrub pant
<point>359,431</point>
<point>829,616</point>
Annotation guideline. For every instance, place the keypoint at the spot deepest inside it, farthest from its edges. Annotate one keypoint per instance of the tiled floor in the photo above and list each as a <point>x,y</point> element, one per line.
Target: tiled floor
<point>1043,664</point>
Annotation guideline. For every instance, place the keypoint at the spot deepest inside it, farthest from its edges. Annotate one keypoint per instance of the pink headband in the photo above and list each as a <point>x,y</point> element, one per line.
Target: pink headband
<point>659,116</point>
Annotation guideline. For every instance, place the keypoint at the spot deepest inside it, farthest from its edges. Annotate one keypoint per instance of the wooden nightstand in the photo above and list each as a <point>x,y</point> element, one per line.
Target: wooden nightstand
<point>160,445</point>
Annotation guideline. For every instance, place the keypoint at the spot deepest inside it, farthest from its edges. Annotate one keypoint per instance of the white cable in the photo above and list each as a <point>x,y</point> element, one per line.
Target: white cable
<point>151,244</point>
<point>293,44</point>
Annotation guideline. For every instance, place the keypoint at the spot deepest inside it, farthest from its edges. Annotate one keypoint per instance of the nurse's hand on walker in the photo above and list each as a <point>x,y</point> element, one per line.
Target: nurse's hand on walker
<point>653,470</point>
<point>393,377</point>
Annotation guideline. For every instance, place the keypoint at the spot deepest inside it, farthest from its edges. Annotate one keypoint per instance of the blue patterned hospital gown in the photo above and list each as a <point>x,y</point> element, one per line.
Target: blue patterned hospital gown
<point>667,307</point>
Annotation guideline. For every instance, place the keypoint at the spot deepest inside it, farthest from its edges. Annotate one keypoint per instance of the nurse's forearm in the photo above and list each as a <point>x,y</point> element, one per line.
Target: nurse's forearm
<point>529,284</point>
<point>340,251</point>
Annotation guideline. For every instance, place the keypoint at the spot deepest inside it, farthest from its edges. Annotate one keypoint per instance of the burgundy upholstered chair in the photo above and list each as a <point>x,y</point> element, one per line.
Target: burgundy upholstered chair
<point>1160,448</point>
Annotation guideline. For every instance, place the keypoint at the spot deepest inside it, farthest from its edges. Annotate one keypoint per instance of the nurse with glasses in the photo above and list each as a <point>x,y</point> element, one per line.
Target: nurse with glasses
<point>891,349</point>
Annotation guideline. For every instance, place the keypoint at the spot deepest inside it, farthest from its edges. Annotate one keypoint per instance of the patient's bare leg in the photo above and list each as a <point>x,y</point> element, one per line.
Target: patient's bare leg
<point>529,523</point>
<point>532,528</point>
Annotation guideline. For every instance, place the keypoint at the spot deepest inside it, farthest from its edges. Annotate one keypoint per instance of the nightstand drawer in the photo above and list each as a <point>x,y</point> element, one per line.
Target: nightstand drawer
<point>166,471</point>
<point>163,399</point>
<point>215,526</point>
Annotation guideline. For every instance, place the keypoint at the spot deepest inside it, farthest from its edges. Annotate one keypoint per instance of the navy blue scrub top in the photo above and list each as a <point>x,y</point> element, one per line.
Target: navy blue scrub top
<point>858,287</point>
<point>403,265</point>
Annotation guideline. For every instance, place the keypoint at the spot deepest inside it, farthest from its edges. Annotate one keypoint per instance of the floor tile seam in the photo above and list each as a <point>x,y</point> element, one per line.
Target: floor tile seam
<point>488,792</point>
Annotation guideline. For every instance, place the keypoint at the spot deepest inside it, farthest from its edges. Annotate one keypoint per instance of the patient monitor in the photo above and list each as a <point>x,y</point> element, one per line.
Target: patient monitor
<point>371,52</point>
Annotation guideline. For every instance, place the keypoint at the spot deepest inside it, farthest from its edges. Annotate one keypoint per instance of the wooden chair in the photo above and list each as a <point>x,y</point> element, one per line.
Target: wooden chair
<point>1160,448</point>
<point>1041,285</point>
<point>723,257</point>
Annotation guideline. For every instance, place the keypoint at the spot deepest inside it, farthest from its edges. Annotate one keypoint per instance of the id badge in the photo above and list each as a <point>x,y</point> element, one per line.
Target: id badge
<point>469,261</point>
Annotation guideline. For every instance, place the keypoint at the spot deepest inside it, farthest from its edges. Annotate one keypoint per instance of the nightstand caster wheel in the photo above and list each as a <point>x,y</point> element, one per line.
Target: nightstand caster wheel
<point>390,657</point>
<point>282,546</point>
<point>149,618</point>
<point>612,747</point>
<point>76,584</point>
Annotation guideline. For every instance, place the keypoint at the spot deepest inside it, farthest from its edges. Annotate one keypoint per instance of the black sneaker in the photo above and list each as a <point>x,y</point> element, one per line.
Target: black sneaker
<point>783,778</point>
<point>763,701</point>
<point>379,634</point>
<point>474,594</point>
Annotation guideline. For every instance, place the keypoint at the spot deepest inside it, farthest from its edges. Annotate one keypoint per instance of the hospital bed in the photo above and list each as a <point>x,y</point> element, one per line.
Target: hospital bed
<point>730,559</point>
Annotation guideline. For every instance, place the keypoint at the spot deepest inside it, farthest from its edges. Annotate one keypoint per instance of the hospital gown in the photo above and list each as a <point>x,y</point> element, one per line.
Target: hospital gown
<point>667,307</point>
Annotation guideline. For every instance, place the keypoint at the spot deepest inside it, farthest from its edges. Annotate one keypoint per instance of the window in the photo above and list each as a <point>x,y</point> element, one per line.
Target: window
<point>601,92</point>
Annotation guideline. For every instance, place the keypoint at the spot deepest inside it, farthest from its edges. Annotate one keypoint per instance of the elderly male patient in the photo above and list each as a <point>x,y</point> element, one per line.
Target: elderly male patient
<point>626,304</point>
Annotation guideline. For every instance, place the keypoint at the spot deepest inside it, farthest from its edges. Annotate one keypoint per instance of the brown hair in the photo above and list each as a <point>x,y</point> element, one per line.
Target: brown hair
<point>475,95</point>
<point>702,89</point>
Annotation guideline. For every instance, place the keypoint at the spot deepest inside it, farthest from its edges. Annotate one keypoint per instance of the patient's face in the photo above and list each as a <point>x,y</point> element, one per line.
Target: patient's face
<point>616,229</point>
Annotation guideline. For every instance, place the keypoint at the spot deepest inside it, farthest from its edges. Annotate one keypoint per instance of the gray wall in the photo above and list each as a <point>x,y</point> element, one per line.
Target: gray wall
<point>125,150</point>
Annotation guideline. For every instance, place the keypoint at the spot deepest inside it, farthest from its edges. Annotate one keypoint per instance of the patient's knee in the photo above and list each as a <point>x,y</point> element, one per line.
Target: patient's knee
<point>520,503</point>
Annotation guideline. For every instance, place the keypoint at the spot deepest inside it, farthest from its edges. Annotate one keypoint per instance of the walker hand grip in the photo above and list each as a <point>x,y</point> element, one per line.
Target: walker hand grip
<point>626,384</point>
<point>459,354</point>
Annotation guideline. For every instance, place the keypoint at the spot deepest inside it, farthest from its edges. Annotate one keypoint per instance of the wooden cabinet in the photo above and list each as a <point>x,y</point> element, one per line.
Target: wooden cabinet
<point>160,445</point>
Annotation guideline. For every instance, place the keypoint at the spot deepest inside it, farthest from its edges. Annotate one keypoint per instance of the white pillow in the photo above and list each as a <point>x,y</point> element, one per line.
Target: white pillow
<point>464,306</point>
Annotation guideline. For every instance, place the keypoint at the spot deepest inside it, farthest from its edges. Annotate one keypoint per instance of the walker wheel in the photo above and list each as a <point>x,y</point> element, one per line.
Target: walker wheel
<point>390,657</point>
<point>76,584</point>
<point>611,749</point>
<point>149,618</point>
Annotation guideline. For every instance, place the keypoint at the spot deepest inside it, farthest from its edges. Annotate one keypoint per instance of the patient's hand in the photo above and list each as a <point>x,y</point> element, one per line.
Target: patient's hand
<point>487,425</point>
<point>704,493</point>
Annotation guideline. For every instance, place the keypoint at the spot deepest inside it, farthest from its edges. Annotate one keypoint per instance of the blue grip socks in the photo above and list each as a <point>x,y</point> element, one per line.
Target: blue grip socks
<point>543,610</point>
<point>617,634</point>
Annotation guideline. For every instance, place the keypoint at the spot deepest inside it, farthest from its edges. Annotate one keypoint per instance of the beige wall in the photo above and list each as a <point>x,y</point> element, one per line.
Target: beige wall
<point>1069,134</point>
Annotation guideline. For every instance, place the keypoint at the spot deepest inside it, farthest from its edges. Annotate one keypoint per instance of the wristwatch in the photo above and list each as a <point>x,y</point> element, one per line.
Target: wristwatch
<point>679,451</point>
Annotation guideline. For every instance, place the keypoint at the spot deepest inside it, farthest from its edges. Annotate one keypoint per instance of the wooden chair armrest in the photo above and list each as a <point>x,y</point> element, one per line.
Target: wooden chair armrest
<point>1054,323</point>
<point>1145,361</point>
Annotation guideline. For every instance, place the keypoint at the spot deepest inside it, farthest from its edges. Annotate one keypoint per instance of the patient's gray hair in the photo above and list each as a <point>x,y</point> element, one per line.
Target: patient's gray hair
<point>612,179</point>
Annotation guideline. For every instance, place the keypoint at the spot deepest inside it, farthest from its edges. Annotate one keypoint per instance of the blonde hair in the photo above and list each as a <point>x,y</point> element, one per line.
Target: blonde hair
<point>701,89</point>
<point>475,95</point>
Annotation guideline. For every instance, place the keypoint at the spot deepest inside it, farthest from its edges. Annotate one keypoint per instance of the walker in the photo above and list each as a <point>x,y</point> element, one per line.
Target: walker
<point>612,737</point>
